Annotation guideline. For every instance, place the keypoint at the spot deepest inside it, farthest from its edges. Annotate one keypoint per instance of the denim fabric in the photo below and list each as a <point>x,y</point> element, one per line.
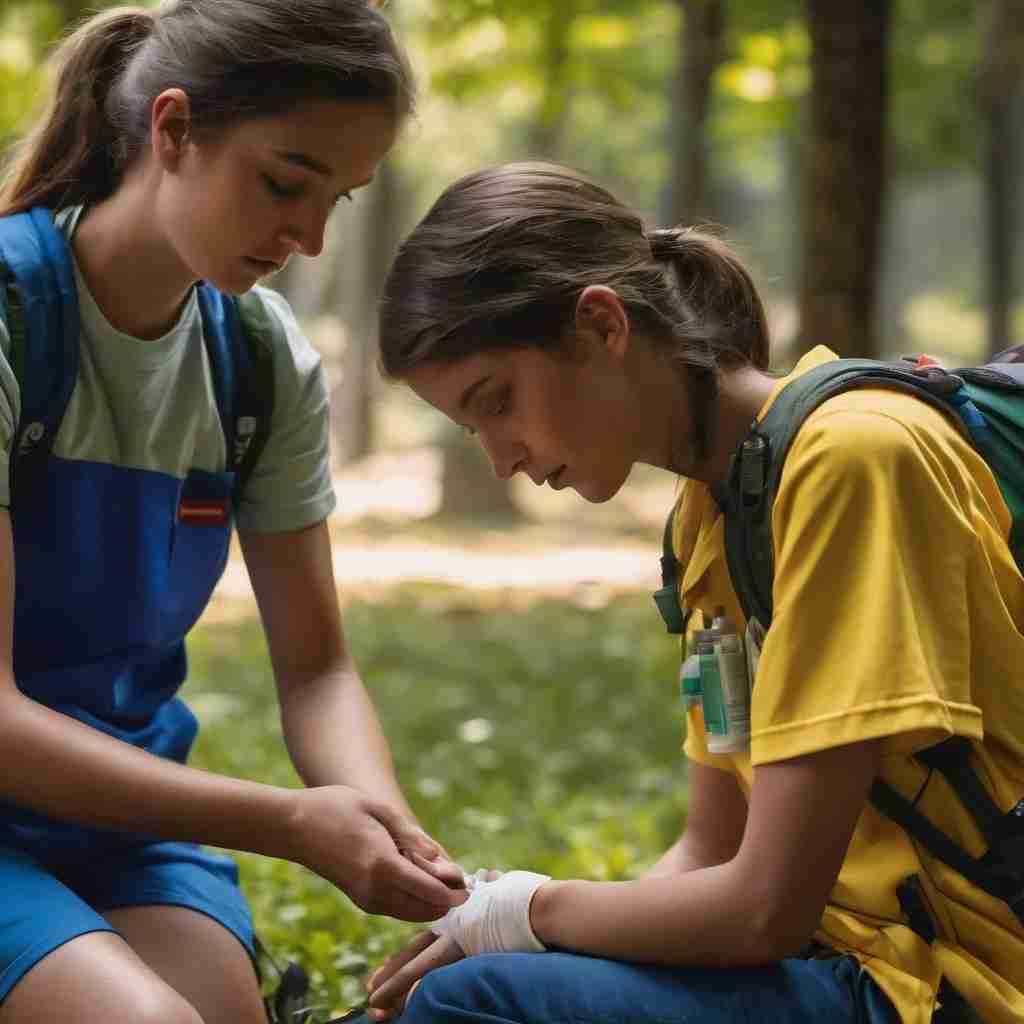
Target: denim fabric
<point>562,988</point>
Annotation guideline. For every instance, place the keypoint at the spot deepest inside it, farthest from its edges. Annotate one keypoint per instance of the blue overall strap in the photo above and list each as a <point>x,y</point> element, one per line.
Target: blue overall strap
<point>243,381</point>
<point>38,267</point>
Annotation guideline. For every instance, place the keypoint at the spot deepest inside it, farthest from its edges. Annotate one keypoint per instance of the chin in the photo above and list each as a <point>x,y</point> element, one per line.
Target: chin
<point>597,492</point>
<point>232,284</point>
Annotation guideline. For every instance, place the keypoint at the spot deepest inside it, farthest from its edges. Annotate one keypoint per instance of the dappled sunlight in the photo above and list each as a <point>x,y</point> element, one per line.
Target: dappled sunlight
<point>382,536</point>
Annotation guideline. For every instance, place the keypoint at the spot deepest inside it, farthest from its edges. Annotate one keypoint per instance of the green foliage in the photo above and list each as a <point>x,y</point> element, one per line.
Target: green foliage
<point>545,738</point>
<point>28,29</point>
<point>934,114</point>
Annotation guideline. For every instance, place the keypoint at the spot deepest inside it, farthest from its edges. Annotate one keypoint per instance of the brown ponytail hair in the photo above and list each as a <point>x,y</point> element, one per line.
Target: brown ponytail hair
<point>501,258</point>
<point>233,58</point>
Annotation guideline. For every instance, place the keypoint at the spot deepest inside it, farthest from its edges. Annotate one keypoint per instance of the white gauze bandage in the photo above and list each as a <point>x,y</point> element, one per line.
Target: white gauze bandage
<point>496,917</point>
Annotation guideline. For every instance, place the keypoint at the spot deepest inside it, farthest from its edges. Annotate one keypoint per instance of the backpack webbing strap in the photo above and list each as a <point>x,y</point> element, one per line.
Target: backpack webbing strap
<point>256,405</point>
<point>43,307</point>
<point>38,292</point>
<point>241,362</point>
<point>999,882</point>
<point>667,598</point>
<point>996,394</point>
<point>953,1008</point>
<point>951,759</point>
<point>757,466</point>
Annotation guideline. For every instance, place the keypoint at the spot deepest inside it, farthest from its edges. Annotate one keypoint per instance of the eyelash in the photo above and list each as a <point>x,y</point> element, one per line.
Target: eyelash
<point>499,406</point>
<point>280,191</point>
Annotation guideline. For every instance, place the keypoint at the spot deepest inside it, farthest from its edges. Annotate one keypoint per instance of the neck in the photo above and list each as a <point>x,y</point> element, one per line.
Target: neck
<point>741,394</point>
<point>668,440</point>
<point>133,272</point>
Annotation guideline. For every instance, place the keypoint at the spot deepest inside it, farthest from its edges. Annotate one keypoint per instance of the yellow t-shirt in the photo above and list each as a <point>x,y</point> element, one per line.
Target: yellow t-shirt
<point>898,614</point>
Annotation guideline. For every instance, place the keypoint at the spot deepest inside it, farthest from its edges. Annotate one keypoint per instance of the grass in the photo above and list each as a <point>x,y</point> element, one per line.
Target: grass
<point>542,735</point>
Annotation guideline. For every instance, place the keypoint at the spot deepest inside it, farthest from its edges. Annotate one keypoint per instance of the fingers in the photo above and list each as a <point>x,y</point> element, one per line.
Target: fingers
<point>441,868</point>
<point>382,1015</point>
<point>431,894</point>
<point>407,834</point>
<point>390,995</point>
<point>400,959</point>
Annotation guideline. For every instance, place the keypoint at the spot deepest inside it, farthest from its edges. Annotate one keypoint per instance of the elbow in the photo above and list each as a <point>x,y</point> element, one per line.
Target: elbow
<point>777,929</point>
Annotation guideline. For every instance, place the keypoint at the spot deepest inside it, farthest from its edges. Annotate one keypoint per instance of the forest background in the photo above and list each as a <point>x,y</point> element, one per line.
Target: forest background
<point>865,158</point>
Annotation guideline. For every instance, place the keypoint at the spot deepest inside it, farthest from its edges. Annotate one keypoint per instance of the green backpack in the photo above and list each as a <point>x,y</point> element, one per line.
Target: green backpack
<point>988,402</point>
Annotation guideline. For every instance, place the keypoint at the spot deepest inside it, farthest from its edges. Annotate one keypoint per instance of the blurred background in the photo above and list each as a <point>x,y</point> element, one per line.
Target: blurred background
<point>865,160</point>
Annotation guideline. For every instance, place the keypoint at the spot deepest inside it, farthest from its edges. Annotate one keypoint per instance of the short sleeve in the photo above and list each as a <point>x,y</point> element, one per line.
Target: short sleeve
<point>10,404</point>
<point>873,546</point>
<point>290,487</point>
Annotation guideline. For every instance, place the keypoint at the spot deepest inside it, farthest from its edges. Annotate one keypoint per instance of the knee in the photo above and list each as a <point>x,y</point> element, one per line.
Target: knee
<point>477,988</point>
<point>164,1006</point>
<point>152,1004</point>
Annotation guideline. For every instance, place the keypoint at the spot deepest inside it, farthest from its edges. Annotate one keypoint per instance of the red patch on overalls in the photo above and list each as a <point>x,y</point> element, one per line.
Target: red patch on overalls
<point>203,513</point>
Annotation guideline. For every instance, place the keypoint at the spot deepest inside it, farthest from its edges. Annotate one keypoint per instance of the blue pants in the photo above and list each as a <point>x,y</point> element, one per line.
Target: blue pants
<point>561,988</point>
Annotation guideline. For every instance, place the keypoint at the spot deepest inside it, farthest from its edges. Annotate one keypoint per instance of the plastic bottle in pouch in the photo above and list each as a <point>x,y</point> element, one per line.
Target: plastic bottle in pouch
<point>689,681</point>
<point>715,721</point>
<point>732,733</point>
<point>689,675</point>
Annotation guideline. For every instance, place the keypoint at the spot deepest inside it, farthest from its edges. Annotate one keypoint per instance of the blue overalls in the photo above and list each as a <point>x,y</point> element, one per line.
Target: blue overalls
<point>114,566</point>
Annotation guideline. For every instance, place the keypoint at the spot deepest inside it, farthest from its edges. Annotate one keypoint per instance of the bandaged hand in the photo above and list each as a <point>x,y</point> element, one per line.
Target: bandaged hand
<point>496,917</point>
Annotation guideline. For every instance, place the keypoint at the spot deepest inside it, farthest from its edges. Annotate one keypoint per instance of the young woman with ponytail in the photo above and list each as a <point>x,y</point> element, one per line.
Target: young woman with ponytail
<point>200,141</point>
<point>535,310</point>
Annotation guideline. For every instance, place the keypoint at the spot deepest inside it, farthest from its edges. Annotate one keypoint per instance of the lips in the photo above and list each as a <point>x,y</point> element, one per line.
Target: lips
<point>553,479</point>
<point>266,266</point>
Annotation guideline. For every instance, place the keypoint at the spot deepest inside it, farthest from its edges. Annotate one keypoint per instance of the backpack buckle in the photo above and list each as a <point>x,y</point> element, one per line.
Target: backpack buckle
<point>753,469</point>
<point>31,436</point>
<point>939,381</point>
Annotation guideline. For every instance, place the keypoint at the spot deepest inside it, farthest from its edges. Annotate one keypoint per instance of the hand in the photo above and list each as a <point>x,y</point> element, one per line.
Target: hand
<point>496,917</point>
<point>394,982</point>
<point>357,844</point>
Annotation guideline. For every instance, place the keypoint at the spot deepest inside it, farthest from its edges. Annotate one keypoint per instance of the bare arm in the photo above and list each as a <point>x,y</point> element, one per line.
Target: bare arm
<point>715,819</point>
<point>52,763</point>
<point>725,895</point>
<point>758,907</point>
<point>330,725</point>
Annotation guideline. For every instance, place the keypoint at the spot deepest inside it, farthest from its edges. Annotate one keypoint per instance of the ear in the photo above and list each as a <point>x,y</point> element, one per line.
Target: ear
<point>601,317</point>
<point>170,123</point>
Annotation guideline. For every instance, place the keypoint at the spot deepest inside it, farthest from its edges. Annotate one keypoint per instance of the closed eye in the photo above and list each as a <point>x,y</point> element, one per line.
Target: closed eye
<point>281,191</point>
<point>496,402</point>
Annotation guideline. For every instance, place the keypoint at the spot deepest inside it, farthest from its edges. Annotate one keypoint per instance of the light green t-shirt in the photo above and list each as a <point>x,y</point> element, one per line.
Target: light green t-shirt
<point>150,405</point>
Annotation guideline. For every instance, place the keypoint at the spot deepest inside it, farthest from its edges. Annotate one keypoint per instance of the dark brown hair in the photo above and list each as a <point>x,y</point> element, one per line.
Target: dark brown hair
<point>502,257</point>
<point>234,59</point>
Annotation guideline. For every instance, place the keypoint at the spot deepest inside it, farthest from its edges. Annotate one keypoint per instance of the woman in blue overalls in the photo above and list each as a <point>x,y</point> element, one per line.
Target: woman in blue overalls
<point>206,141</point>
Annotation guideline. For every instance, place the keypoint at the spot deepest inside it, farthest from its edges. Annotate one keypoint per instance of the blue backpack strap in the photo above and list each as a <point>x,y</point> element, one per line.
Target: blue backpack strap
<point>43,317</point>
<point>241,361</point>
<point>991,405</point>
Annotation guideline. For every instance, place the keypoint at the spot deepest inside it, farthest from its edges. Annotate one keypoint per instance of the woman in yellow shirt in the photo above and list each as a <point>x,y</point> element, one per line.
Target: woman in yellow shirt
<point>534,309</point>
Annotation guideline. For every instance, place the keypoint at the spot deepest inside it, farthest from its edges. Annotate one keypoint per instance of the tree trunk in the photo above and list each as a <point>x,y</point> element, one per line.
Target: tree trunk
<point>844,174</point>
<point>470,492</point>
<point>701,34</point>
<point>1000,75</point>
<point>546,131</point>
<point>369,239</point>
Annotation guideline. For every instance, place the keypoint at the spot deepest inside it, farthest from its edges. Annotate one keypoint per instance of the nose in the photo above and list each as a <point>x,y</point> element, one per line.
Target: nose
<point>507,458</point>
<point>306,235</point>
